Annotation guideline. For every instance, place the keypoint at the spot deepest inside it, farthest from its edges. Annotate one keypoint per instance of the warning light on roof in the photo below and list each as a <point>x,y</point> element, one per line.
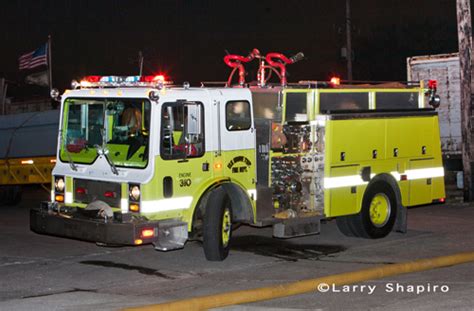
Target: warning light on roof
<point>335,81</point>
<point>158,81</point>
<point>158,78</point>
<point>92,79</point>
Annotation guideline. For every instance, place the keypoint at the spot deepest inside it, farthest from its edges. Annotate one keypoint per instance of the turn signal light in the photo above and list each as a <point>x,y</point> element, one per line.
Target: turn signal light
<point>134,207</point>
<point>59,198</point>
<point>147,233</point>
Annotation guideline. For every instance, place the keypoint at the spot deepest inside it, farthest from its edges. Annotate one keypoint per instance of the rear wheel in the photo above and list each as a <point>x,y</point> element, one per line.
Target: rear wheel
<point>217,226</point>
<point>377,216</point>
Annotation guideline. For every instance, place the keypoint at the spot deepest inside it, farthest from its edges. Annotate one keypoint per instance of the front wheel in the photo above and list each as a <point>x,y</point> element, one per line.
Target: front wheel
<point>217,226</point>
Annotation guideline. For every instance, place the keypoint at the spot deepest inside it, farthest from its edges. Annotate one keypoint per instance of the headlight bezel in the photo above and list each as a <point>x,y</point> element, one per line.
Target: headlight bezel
<point>134,193</point>
<point>59,184</point>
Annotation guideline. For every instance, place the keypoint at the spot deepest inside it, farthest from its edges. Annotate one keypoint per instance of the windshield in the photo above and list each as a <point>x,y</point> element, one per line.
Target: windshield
<point>120,126</point>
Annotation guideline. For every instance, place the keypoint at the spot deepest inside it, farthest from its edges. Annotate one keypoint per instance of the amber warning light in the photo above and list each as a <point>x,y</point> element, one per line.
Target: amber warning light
<point>147,233</point>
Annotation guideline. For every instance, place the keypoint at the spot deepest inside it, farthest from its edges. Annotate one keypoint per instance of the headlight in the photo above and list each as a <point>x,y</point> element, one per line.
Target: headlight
<point>59,184</point>
<point>135,193</point>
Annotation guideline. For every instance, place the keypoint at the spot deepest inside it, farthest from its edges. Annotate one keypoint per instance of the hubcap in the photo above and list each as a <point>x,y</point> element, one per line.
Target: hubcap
<point>226,227</point>
<point>380,210</point>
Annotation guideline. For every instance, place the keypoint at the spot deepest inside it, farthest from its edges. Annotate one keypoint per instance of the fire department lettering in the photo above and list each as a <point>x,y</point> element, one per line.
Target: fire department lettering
<point>242,164</point>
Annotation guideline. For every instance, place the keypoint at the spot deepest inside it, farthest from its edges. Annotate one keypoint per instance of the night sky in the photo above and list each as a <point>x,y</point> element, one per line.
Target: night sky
<point>187,39</point>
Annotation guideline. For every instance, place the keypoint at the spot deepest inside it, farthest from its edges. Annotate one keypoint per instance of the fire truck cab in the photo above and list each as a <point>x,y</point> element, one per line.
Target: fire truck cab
<point>141,162</point>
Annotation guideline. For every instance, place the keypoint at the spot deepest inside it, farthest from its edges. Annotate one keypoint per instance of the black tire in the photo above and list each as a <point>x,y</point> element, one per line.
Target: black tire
<point>362,225</point>
<point>217,205</point>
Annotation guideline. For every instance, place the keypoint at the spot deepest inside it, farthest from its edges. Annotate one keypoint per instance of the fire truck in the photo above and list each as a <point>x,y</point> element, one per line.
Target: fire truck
<point>142,161</point>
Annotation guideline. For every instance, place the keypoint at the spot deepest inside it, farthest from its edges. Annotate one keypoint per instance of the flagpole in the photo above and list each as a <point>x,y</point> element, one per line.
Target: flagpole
<point>50,66</point>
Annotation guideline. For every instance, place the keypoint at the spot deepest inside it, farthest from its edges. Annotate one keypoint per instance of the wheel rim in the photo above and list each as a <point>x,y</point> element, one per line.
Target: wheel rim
<point>226,227</point>
<point>380,210</point>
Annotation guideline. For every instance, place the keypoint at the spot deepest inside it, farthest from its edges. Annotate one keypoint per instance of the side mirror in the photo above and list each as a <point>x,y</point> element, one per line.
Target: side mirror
<point>435,101</point>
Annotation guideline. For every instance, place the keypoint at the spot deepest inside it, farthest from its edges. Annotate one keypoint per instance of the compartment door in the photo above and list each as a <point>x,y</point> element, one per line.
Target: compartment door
<point>420,181</point>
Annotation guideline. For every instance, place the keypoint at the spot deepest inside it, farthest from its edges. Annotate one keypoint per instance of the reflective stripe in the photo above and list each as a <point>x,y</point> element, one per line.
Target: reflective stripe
<point>165,205</point>
<point>356,180</point>
<point>52,196</point>
<point>124,205</point>
<point>425,173</point>
<point>343,181</point>
<point>252,193</point>
<point>68,198</point>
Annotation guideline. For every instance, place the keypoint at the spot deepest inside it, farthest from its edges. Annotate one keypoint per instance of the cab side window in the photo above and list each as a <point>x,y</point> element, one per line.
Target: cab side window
<point>182,130</point>
<point>237,115</point>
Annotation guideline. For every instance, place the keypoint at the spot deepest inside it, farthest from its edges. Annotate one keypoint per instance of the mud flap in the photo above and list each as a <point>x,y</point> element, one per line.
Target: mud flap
<point>401,224</point>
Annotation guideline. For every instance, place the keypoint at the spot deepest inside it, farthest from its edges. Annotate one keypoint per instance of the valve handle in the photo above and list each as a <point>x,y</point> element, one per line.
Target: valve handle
<point>297,57</point>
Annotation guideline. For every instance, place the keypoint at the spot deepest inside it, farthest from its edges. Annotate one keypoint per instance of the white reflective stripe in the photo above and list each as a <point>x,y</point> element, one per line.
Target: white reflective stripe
<point>396,175</point>
<point>68,198</point>
<point>124,205</point>
<point>165,205</point>
<point>52,196</point>
<point>343,181</point>
<point>425,173</point>
<point>252,193</point>
<point>356,180</point>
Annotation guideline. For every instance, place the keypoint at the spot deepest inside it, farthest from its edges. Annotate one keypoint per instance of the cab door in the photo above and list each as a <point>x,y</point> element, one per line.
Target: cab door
<point>185,161</point>
<point>237,141</point>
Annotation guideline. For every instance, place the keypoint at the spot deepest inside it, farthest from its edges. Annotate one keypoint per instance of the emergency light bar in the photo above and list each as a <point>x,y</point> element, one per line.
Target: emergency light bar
<point>157,81</point>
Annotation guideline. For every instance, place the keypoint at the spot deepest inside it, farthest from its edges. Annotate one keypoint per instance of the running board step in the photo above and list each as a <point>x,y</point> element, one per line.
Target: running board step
<point>297,227</point>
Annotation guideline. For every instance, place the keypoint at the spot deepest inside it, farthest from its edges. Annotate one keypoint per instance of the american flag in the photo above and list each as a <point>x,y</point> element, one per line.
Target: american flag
<point>34,59</point>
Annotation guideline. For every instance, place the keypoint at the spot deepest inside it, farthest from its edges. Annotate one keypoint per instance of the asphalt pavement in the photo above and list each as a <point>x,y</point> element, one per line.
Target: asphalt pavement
<point>39,272</point>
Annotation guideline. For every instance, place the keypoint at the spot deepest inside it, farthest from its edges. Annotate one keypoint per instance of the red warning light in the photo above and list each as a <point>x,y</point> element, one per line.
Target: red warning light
<point>432,84</point>
<point>92,79</point>
<point>157,78</point>
<point>335,81</point>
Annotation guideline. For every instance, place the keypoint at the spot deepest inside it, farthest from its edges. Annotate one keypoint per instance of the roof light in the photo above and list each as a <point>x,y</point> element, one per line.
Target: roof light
<point>118,81</point>
<point>335,81</point>
<point>27,162</point>
<point>92,79</point>
<point>157,78</point>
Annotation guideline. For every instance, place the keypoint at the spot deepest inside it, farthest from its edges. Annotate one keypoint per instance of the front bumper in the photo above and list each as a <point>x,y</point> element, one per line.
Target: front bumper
<point>122,229</point>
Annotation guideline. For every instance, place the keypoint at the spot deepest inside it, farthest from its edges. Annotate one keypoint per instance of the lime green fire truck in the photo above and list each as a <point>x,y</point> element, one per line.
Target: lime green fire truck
<point>140,161</point>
